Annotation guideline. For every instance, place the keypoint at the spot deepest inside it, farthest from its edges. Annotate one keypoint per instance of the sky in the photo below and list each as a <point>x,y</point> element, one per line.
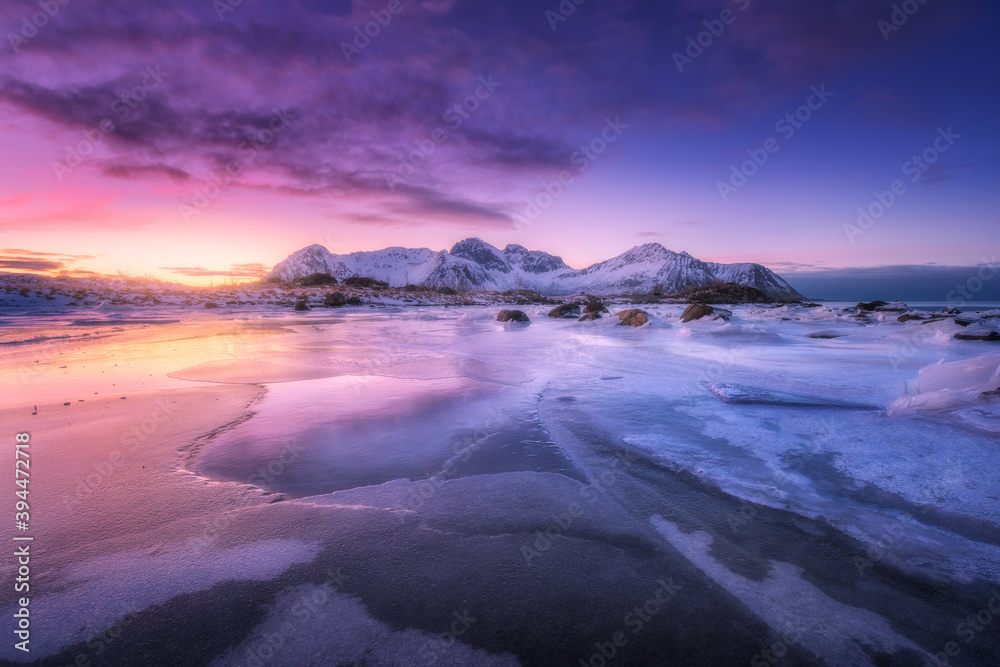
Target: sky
<point>192,140</point>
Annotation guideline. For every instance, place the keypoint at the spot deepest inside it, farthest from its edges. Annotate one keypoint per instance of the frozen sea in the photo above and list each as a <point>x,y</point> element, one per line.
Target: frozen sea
<point>427,486</point>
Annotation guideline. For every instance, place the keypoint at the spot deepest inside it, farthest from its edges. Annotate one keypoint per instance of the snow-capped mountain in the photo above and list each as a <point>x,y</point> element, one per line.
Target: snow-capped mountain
<point>473,264</point>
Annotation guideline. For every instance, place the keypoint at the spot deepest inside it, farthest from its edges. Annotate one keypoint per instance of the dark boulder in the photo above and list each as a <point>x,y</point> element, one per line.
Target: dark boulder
<point>633,317</point>
<point>211,304</point>
<point>725,293</point>
<point>512,316</point>
<point>906,317</point>
<point>414,288</point>
<point>301,305</point>
<point>696,311</point>
<point>447,291</point>
<point>590,317</point>
<point>595,306</point>
<point>566,310</point>
<point>317,279</point>
<point>896,307</point>
<point>524,296</point>
<point>988,336</point>
<point>335,300</point>
<point>359,281</point>
<point>870,305</point>
<point>354,301</point>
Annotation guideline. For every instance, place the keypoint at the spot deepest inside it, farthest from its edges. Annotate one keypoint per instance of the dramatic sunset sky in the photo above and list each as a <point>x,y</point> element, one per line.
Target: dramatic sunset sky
<point>180,90</point>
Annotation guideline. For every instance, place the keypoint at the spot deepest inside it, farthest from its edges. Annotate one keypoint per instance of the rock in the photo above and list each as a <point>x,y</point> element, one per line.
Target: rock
<point>871,305</point>
<point>978,335</point>
<point>301,305</point>
<point>951,311</point>
<point>965,322</point>
<point>590,317</point>
<point>647,298</point>
<point>895,307</point>
<point>725,293</point>
<point>633,317</point>
<point>447,290</point>
<point>354,301</point>
<point>566,310</point>
<point>696,311</point>
<point>211,304</point>
<point>826,335</point>
<point>414,288</point>
<point>358,281</point>
<point>512,316</point>
<point>906,317</point>
<point>525,296</point>
<point>991,396</point>
<point>316,279</point>
<point>335,300</point>
<point>595,306</point>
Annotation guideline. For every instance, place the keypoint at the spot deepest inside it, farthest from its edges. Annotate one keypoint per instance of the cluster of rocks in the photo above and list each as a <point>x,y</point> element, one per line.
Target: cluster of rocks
<point>717,293</point>
<point>864,309</point>
<point>591,308</point>
<point>584,309</point>
<point>332,300</point>
<point>525,297</point>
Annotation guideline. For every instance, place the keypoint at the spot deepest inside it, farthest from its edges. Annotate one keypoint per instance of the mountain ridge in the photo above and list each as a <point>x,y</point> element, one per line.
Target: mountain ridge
<point>472,264</point>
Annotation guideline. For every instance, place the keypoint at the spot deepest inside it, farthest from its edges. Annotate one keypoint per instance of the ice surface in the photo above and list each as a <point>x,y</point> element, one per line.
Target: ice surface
<point>746,395</point>
<point>837,633</point>
<point>100,591</point>
<point>314,626</point>
<point>966,390</point>
<point>411,439</point>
